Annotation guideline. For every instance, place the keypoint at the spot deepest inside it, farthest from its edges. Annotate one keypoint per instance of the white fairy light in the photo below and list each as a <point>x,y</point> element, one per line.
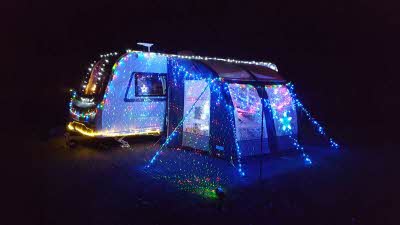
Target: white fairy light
<point>266,64</point>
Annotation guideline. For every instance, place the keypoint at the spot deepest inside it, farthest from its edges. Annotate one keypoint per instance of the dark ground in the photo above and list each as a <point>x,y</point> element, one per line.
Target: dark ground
<point>92,185</point>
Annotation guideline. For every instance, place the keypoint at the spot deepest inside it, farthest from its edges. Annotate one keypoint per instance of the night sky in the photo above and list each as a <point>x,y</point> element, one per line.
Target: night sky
<point>342,56</point>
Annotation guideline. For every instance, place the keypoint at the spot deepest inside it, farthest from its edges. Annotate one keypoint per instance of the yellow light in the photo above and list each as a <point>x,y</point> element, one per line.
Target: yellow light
<point>70,126</point>
<point>83,129</point>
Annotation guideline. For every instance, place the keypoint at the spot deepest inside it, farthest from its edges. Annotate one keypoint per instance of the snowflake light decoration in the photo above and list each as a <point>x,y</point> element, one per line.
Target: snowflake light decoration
<point>285,121</point>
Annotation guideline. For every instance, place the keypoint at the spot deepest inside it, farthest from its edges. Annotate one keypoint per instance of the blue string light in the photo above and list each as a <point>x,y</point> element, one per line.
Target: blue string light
<point>174,132</point>
<point>214,88</point>
<point>313,121</point>
<point>232,122</point>
<point>285,120</point>
<point>306,158</point>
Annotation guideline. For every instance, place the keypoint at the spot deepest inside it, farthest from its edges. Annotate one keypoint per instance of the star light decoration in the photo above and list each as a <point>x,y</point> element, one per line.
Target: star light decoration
<point>144,89</point>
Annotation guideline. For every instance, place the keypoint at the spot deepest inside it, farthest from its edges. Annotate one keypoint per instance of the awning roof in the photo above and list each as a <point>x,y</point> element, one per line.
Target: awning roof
<point>263,73</point>
<point>229,70</point>
<point>243,72</point>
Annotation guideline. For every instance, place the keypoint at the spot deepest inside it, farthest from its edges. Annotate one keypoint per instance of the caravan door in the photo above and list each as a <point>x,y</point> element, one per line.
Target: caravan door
<point>196,125</point>
<point>250,123</point>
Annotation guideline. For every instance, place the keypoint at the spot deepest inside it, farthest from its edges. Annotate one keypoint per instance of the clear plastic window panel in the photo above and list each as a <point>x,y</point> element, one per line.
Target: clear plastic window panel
<point>150,84</point>
<point>283,109</point>
<point>198,121</point>
<point>248,112</point>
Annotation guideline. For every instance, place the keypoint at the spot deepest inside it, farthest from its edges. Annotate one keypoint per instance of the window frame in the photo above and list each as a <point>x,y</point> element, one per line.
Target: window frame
<point>138,97</point>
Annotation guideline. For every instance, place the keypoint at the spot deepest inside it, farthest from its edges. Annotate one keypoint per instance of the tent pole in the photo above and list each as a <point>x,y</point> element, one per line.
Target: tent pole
<point>262,135</point>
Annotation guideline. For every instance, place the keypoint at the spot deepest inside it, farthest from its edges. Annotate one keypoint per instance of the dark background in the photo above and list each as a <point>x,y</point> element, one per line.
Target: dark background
<point>341,55</point>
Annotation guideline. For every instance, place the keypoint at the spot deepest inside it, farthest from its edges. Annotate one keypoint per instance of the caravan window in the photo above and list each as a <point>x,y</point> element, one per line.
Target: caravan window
<point>150,84</point>
<point>146,85</point>
<point>283,109</point>
<point>248,109</point>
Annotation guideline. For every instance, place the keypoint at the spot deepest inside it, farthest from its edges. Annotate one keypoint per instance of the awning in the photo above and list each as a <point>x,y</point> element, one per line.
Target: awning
<point>243,72</point>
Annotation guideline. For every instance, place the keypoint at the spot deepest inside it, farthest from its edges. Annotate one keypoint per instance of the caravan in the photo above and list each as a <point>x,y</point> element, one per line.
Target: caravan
<point>225,107</point>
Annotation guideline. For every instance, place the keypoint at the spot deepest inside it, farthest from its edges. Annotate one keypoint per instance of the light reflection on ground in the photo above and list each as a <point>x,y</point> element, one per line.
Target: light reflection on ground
<point>189,171</point>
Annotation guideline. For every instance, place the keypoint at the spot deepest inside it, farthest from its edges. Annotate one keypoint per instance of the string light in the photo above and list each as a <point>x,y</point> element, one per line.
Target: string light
<point>192,57</point>
<point>281,102</point>
<point>297,146</point>
<point>84,130</point>
<point>313,121</point>
<point>84,114</point>
<point>96,69</point>
<point>174,132</point>
<point>214,88</point>
<point>232,122</point>
<point>80,107</point>
<point>279,110</point>
<point>123,106</point>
